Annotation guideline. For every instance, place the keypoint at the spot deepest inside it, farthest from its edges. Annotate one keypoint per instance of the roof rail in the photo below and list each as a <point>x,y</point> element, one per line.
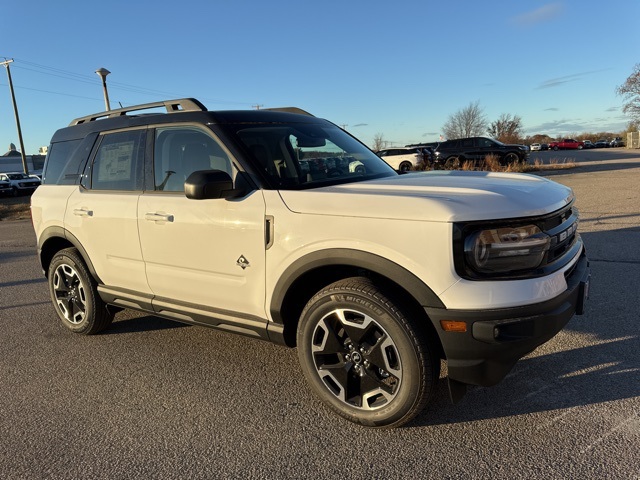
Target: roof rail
<point>172,106</point>
<point>290,110</point>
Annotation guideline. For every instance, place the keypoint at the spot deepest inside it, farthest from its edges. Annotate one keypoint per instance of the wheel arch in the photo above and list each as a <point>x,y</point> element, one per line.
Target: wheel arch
<point>54,239</point>
<point>306,276</point>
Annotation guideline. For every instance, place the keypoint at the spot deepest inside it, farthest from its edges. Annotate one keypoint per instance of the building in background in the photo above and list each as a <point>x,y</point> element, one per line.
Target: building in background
<point>12,161</point>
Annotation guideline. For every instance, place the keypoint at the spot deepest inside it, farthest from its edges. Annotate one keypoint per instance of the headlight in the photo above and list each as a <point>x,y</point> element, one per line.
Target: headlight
<point>501,250</point>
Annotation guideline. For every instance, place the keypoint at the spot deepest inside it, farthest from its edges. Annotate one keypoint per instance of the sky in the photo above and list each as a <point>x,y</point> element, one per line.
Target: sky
<point>397,69</point>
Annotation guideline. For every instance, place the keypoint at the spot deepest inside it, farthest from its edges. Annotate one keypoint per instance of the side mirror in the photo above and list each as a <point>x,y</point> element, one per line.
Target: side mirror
<point>210,184</point>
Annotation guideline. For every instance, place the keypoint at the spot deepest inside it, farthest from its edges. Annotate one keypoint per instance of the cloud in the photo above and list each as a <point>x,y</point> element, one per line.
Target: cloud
<point>552,109</point>
<point>612,109</point>
<point>431,134</point>
<point>360,125</point>
<point>569,126</point>
<point>542,14</point>
<point>556,82</point>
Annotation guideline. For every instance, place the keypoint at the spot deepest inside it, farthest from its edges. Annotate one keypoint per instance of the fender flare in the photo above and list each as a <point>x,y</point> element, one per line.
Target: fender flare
<point>57,232</point>
<point>352,258</point>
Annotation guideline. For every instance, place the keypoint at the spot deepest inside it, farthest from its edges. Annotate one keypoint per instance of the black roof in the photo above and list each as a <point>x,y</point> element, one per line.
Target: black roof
<point>196,112</point>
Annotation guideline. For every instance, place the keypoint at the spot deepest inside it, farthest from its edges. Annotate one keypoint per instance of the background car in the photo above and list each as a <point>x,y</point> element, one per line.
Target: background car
<point>616,142</point>
<point>566,144</point>
<point>535,147</point>
<point>5,186</point>
<point>478,148</point>
<point>403,159</point>
<point>20,182</point>
<point>602,143</point>
<point>588,144</point>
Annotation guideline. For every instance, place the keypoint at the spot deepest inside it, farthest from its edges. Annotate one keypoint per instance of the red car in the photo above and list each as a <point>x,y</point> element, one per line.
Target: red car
<point>566,144</point>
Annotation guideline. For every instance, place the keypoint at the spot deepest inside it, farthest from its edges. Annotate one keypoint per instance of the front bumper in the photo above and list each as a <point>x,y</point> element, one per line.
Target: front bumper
<point>495,340</point>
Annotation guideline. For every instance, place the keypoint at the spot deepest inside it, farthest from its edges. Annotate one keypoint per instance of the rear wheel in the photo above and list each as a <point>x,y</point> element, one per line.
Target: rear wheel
<point>75,296</point>
<point>363,357</point>
<point>405,167</point>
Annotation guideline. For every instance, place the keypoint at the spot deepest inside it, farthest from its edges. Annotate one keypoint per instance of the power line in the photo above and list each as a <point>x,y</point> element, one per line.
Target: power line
<point>76,77</point>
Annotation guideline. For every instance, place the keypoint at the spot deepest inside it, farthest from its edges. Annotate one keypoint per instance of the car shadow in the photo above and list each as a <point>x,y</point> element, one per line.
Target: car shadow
<point>599,373</point>
<point>145,323</point>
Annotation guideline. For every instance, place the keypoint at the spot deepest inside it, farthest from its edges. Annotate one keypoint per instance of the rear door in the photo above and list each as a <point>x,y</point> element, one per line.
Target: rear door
<point>102,213</point>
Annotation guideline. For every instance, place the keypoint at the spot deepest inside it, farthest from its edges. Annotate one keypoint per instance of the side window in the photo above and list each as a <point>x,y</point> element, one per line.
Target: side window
<point>119,162</point>
<point>180,151</point>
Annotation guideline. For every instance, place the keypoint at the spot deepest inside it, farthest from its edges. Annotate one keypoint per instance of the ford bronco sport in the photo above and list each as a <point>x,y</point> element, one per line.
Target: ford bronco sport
<point>281,226</point>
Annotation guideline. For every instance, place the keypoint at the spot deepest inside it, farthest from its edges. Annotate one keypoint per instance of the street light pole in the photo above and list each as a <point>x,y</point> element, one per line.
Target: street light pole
<point>102,73</point>
<point>25,167</point>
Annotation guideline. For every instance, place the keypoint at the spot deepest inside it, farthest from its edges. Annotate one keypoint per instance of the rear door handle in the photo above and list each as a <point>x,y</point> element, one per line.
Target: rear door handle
<point>158,217</point>
<point>83,212</point>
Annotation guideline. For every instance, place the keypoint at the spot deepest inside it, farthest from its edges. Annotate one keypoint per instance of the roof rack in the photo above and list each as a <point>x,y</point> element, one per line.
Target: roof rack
<point>290,110</point>
<point>172,106</point>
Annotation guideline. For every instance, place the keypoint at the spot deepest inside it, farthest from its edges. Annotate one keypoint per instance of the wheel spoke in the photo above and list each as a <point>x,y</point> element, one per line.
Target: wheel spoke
<point>356,359</point>
<point>69,293</point>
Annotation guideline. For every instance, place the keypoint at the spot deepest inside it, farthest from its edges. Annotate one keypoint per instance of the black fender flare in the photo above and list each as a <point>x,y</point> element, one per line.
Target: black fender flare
<point>351,258</point>
<point>56,232</point>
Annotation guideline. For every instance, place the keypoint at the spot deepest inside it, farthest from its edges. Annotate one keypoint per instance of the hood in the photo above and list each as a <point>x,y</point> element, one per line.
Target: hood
<point>440,196</point>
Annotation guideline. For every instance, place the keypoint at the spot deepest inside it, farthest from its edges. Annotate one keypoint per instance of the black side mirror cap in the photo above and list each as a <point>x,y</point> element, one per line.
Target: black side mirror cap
<point>210,184</point>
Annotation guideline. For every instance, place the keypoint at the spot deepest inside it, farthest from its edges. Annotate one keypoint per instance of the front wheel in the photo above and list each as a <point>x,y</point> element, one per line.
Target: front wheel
<point>511,158</point>
<point>75,295</point>
<point>363,357</point>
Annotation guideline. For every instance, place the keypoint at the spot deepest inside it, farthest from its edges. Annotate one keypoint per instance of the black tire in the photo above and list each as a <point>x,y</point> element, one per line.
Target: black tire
<point>75,295</point>
<point>555,148</point>
<point>511,158</point>
<point>363,357</point>
<point>405,167</point>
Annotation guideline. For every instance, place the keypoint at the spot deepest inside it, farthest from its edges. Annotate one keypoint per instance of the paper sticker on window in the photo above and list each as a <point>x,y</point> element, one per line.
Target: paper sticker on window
<point>116,162</point>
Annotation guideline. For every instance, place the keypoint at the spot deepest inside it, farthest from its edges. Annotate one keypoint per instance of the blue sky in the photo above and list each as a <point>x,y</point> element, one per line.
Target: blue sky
<point>399,69</point>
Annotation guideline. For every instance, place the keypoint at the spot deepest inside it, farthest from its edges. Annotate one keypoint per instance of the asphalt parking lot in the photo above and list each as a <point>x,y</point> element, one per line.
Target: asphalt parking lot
<point>151,398</point>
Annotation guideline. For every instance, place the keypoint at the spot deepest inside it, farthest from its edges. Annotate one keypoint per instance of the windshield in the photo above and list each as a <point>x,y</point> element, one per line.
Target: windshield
<point>306,155</point>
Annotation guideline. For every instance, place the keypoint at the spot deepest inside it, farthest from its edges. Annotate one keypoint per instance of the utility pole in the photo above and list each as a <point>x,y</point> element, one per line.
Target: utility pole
<point>257,107</point>
<point>102,73</point>
<point>25,167</point>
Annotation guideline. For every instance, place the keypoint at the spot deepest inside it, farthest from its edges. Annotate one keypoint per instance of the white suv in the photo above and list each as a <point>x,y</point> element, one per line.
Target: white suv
<point>283,227</point>
<point>403,159</point>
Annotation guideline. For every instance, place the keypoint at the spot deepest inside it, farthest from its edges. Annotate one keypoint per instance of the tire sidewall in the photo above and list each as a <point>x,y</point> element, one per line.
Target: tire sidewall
<point>67,257</point>
<point>409,393</point>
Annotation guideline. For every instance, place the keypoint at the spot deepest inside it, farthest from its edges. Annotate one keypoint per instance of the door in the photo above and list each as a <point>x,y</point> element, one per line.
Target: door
<point>201,253</point>
<point>103,213</point>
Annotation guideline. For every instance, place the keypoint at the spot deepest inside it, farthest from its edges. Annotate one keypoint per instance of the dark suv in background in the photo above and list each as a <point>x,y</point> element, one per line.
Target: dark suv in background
<point>477,149</point>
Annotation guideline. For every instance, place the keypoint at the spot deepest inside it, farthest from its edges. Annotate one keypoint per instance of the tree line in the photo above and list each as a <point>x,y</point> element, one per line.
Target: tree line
<point>471,121</point>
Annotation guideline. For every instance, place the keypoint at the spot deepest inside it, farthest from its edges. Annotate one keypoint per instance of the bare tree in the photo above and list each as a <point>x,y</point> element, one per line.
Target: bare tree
<point>468,122</point>
<point>378,142</point>
<point>507,128</point>
<point>630,90</point>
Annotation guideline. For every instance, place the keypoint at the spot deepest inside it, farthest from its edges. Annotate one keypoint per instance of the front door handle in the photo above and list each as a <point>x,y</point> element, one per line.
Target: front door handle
<point>83,212</point>
<point>158,217</point>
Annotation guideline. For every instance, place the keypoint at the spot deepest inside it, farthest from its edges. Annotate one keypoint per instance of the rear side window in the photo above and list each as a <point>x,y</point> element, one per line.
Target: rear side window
<point>61,165</point>
<point>118,164</point>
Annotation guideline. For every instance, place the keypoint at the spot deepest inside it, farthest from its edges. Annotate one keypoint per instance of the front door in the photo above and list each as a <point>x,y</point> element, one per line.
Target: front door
<point>201,254</point>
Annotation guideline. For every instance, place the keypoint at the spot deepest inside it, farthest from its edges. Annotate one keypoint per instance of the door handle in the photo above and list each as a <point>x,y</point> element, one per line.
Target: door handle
<point>83,212</point>
<point>158,217</point>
